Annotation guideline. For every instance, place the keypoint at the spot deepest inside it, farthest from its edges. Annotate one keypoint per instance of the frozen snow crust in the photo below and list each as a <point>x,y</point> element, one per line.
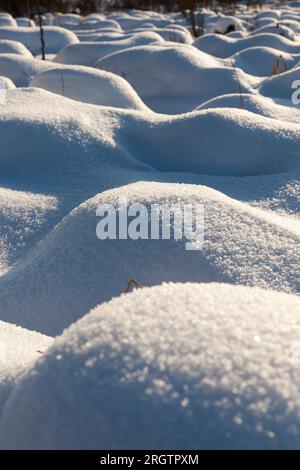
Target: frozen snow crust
<point>206,354</point>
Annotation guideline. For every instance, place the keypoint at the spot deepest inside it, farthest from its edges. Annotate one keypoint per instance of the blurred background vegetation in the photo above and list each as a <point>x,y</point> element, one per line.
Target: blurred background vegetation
<point>29,7</point>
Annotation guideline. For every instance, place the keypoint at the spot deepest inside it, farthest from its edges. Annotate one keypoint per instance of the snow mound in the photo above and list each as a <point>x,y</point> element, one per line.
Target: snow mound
<point>13,47</point>
<point>87,53</point>
<point>93,17</point>
<point>280,29</point>
<point>23,219</point>
<point>293,24</point>
<point>72,271</point>
<point>223,46</point>
<point>67,20</point>
<point>7,20</point>
<point>19,348</point>
<point>237,34</point>
<point>210,140</point>
<point>259,61</point>
<point>274,14</point>
<point>92,23</point>
<point>96,36</point>
<point>90,86</point>
<point>69,151</point>
<point>174,79</point>
<point>130,22</point>
<point>8,84</point>
<point>21,69</point>
<point>55,38</point>
<point>25,22</point>
<point>230,143</point>
<point>256,104</point>
<point>174,35</point>
<point>225,25</point>
<point>281,86</point>
<point>179,366</point>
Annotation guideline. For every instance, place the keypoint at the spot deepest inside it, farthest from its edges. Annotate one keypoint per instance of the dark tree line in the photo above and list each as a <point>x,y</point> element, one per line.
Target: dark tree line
<point>178,5</point>
<point>29,7</point>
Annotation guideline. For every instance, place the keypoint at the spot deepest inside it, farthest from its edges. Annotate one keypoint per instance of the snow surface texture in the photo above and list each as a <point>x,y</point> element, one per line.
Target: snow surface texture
<point>25,22</point>
<point>19,348</point>
<point>174,79</point>
<point>20,69</point>
<point>90,86</point>
<point>130,104</point>
<point>55,38</point>
<point>7,20</point>
<point>8,84</point>
<point>223,46</point>
<point>13,47</point>
<point>256,104</point>
<point>259,60</point>
<point>48,281</point>
<point>186,366</point>
<point>87,53</point>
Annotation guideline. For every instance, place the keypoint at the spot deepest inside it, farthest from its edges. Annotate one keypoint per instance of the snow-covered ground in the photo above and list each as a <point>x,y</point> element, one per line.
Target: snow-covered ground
<point>206,354</point>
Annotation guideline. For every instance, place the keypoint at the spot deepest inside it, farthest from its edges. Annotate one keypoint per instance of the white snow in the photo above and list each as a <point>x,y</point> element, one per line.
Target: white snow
<point>224,46</point>
<point>67,20</point>
<point>7,20</point>
<point>25,22</point>
<point>21,68</point>
<point>175,79</point>
<point>8,84</point>
<point>180,366</point>
<point>257,104</point>
<point>73,260</point>
<point>278,28</point>
<point>19,348</point>
<point>280,86</point>
<point>55,38</point>
<point>131,105</point>
<point>13,47</point>
<point>90,86</point>
<point>259,61</point>
<point>87,53</point>
<point>223,24</point>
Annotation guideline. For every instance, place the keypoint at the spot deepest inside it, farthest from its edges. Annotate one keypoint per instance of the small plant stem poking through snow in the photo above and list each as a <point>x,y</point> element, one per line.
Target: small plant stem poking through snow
<point>132,282</point>
<point>63,83</point>
<point>41,30</point>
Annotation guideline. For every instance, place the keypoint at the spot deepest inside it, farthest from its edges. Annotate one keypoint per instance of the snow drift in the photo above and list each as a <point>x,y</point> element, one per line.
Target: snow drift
<point>7,20</point>
<point>13,47</point>
<point>218,369</point>
<point>174,79</point>
<point>87,53</point>
<point>90,86</point>
<point>6,83</point>
<point>259,61</point>
<point>21,69</point>
<point>180,366</point>
<point>281,86</point>
<point>71,271</point>
<point>19,348</point>
<point>55,38</point>
<point>256,104</point>
<point>224,46</point>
